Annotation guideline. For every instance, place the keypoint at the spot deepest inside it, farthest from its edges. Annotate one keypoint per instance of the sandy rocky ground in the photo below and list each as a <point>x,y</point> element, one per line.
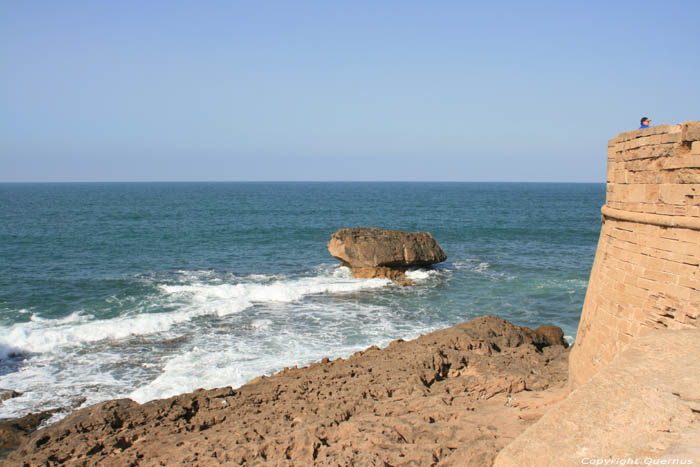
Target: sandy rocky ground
<point>452,397</point>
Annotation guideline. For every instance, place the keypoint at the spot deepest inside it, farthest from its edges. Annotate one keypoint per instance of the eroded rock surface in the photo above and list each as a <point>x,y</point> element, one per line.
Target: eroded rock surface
<point>371,252</point>
<point>13,432</point>
<point>452,397</point>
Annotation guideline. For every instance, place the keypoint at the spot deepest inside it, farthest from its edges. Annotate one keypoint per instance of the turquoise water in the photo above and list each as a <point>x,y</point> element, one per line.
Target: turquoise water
<point>146,290</point>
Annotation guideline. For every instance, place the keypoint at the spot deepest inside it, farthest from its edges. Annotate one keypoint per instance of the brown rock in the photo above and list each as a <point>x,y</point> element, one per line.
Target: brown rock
<point>6,394</point>
<point>371,252</point>
<point>452,397</point>
<point>552,335</point>
<point>13,432</point>
<point>691,131</point>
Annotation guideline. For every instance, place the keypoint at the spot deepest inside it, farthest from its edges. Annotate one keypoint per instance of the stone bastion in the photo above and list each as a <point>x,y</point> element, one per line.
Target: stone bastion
<point>646,272</point>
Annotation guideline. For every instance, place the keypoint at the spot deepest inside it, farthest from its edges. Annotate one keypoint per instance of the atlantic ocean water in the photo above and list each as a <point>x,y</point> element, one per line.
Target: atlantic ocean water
<point>146,290</point>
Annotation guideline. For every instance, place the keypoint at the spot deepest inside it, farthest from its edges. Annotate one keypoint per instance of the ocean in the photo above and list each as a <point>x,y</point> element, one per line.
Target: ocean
<point>146,290</point>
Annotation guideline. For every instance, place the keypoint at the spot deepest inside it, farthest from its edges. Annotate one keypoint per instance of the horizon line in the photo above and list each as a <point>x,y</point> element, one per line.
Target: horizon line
<point>285,181</point>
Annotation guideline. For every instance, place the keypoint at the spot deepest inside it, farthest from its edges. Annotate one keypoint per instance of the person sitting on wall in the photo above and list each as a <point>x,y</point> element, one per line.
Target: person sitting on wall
<point>645,122</point>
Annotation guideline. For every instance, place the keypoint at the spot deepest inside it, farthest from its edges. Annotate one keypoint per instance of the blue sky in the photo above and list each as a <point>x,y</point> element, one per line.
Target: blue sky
<point>319,90</point>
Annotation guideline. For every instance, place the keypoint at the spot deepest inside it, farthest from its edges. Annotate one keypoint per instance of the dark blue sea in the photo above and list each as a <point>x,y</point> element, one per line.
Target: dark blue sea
<point>145,290</point>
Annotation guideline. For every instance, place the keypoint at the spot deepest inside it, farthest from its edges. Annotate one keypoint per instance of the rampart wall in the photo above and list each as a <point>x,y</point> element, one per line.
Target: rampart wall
<point>646,272</point>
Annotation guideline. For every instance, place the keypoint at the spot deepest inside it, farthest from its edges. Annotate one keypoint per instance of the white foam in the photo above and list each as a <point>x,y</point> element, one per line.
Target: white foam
<point>60,381</point>
<point>284,291</point>
<point>421,274</point>
<point>460,264</point>
<point>213,365</point>
<point>45,336</point>
<point>472,264</point>
<point>192,300</point>
<point>75,317</point>
<point>80,356</point>
<point>6,351</point>
<point>192,370</point>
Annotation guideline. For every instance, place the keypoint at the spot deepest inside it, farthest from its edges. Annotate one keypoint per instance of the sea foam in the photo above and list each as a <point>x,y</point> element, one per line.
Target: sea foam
<point>189,300</point>
<point>86,360</point>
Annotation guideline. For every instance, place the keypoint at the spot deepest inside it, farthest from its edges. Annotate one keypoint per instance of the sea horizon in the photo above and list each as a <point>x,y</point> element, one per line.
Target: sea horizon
<point>297,181</point>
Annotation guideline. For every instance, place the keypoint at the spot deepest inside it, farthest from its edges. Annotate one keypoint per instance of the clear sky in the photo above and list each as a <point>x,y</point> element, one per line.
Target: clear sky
<point>336,90</point>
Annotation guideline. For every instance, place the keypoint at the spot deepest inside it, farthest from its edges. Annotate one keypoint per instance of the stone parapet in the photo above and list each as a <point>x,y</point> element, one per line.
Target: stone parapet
<point>646,272</point>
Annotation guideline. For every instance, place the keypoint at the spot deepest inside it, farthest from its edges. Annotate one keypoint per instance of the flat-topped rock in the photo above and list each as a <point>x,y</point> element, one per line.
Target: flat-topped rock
<point>371,252</point>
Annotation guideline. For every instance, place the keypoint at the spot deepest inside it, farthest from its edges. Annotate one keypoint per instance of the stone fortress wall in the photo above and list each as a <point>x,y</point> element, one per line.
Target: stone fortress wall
<point>646,272</point>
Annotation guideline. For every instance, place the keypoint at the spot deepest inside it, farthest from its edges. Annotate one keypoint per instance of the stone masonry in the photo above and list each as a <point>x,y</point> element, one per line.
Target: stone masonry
<point>646,272</point>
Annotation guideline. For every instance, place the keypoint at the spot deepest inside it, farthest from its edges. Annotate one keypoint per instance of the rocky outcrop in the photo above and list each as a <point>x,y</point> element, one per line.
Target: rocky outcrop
<point>371,252</point>
<point>644,405</point>
<point>452,397</point>
<point>6,394</point>
<point>13,432</point>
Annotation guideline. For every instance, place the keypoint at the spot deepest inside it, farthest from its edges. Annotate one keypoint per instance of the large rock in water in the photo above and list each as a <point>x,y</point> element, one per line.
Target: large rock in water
<point>371,252</point>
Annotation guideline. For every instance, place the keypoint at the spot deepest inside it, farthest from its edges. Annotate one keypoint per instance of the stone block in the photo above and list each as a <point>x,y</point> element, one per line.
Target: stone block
<point>636,193</point>
<point>695,148</point>
<point>662,277</point>
<point>687,175</point>
<point>681,293</point>
<point>688,235</point>
<point>651,193</point>
<point>650,262</point>
<point>667,245</point>
<point>676,194</point>
<point>691,131</point>
<point>679,210</point>
<point>679,269</point>
<point>675,162</point>
<point>671,138</point>
<point>662,150</point>
<point>692,161</point>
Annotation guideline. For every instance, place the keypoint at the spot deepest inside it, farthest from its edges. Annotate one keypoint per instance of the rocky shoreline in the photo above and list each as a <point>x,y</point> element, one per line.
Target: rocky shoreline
<point>452,397</point>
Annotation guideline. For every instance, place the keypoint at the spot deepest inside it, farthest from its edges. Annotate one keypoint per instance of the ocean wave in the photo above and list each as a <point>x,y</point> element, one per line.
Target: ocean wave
<point>45,336</point>
<point>471,264</point>
<point>192,370</point>
<point>277,291</point>
<point>189,300</point>
<point>233,363</point>
<point>419,275</point>
<point>8,351</point>
<point>566,284</point>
